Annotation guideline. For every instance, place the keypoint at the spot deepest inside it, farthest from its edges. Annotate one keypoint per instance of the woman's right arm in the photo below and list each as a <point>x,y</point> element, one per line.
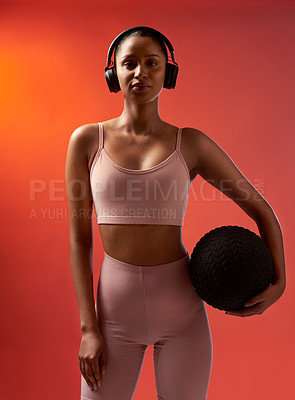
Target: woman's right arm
<point>92,349</point>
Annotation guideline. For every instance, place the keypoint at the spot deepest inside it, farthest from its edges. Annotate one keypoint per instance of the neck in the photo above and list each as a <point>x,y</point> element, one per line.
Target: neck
<point>140,119</point>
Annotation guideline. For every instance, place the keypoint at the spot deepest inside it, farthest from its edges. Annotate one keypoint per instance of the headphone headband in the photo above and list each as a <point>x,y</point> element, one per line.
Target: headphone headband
<point>135,28</point>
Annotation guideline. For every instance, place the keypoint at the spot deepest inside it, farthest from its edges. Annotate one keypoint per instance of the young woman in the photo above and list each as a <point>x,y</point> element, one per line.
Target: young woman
<point>137,169</point>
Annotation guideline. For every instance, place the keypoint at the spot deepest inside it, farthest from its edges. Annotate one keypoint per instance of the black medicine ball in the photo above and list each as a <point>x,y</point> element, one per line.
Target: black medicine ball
<point>229,265</point>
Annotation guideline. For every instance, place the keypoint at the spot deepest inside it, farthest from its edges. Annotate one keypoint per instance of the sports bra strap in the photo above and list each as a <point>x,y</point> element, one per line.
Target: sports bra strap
<point>178,138</point>
<point>100,135</point>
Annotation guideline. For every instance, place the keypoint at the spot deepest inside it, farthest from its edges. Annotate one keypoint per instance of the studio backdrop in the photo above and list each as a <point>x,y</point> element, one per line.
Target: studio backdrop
<point>235,83</point>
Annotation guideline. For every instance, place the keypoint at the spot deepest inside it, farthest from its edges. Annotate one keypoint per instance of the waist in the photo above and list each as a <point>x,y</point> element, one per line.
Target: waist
<point>138,267</point>
<point>143,244</point>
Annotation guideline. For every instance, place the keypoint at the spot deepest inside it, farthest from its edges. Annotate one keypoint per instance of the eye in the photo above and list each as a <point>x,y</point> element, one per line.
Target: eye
<point>129,63</point>
<point>133,63</point>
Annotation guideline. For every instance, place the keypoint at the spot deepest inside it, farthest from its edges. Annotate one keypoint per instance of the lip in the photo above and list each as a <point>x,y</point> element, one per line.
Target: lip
<point>140,85</point>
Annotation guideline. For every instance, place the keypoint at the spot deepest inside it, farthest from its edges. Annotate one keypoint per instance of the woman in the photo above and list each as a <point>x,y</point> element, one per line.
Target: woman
<point>137,170</point>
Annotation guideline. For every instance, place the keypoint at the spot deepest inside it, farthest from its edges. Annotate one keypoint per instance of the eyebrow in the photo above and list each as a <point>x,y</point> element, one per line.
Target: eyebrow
<point>133,55</point>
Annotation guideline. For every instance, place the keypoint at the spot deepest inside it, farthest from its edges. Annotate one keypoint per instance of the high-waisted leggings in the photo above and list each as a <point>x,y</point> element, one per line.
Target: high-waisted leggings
<point>138,306</point>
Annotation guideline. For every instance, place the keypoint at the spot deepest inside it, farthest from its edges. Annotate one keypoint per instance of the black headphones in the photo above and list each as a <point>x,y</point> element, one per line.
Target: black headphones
<point>171,66</point>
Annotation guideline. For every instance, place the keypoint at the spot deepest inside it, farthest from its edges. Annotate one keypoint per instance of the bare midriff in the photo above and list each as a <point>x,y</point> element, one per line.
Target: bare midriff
<point>143,244</point>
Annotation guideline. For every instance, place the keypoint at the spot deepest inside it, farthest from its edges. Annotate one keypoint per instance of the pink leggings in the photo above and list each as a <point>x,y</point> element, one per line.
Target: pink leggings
<point>157,305</point>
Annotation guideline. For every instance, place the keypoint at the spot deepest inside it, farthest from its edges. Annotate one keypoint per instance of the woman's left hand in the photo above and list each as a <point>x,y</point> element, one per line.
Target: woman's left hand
<point>258,304</point>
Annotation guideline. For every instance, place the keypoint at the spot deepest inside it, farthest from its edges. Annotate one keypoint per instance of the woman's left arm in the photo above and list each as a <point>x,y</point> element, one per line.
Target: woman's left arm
<point>217,168</point>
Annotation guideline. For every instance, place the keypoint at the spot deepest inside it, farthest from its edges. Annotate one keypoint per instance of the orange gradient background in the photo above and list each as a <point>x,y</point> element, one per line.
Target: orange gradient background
<point>235,83</point>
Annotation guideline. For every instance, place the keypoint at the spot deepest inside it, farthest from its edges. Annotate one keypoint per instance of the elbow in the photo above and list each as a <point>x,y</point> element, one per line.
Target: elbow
<point>265,212</point>
<point>84,242</point>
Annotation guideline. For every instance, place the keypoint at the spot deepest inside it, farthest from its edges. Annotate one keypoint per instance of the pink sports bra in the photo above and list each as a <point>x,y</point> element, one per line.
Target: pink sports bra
<point>156,195</point>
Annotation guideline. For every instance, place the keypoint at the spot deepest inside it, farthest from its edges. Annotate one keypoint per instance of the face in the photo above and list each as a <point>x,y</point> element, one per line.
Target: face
<point>141,60</point>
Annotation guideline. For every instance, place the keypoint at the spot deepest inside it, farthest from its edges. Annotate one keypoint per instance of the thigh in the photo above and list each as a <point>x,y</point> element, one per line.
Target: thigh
<point>121,319</point>
<point>182,338</point>
<point>183,362</point>
<point>122,372</point>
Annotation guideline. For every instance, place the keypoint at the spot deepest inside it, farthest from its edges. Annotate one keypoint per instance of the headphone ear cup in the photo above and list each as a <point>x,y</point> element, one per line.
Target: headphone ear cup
<point>112,80</point>
<point>169,81</point>
<point>170,76</point>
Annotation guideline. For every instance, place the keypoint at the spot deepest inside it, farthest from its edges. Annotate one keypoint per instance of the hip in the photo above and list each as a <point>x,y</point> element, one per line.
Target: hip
<point>162,290</point>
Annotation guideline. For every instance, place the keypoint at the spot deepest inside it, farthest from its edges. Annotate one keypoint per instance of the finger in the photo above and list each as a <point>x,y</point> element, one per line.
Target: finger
<point>103,360</point>
<point>83,372</point>
<point>81,365</point>
<point>253,301</point>
<point>245,313</point>
<point>96,374</point>
<point>90,376</point>
<point>259,297</point>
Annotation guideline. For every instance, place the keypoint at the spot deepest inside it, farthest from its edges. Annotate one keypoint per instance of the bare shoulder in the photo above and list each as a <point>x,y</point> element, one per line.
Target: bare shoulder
<point>193,136</point>
<point>84,133</point>
<point>192,147</point>
<point>84,139</point>
<point>198,140</point>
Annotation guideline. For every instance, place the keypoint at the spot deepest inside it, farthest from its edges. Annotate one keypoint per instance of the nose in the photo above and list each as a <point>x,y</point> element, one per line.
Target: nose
<point>140,71</point>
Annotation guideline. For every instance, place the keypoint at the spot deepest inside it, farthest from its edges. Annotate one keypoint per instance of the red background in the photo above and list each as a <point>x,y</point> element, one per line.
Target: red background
<point>236,84</point>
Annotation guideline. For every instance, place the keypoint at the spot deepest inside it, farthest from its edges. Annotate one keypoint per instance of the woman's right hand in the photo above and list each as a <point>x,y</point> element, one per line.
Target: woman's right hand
<point>92,358</point>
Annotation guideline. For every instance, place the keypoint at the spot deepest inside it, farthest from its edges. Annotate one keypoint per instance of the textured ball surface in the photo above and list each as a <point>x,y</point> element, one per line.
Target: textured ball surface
<point>229,265</point>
